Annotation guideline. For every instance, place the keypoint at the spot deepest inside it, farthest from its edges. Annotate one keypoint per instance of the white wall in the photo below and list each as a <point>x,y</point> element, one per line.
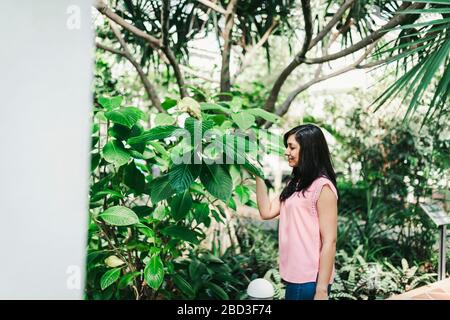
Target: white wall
<point>45,86</point>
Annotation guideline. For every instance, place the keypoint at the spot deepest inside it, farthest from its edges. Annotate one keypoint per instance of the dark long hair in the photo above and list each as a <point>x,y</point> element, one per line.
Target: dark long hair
<point>314,160</point>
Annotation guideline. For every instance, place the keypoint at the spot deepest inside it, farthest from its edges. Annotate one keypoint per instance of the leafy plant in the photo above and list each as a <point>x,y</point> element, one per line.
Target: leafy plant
<point>357,279</point>
<point>154,192</point>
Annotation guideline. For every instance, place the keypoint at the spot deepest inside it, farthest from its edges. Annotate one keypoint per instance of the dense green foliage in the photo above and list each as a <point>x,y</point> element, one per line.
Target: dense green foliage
<point>164,173</point>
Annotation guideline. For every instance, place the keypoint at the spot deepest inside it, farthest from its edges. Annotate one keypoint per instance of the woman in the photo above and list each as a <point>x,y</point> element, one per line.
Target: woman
<point>308,215</point>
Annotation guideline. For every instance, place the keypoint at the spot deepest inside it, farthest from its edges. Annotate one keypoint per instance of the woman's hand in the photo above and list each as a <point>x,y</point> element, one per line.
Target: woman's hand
<point>321,295</point>
<point>267,209</point>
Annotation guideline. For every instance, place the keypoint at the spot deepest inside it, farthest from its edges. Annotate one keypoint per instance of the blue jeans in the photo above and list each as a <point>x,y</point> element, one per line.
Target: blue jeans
<point>301,291</point>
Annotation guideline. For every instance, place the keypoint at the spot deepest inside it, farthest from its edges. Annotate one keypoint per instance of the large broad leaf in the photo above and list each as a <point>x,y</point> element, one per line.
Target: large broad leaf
<point>113,261</point>
<point>182,233</point>
<point>145,230</point>
<point>263,114</point>
<point>95,161</point>
<point>196,269</point>
<point>156,133</point>
<point>243,193</point>
<point>125,116</point>
<point>235,147</point>
<point>154,272</point>
<point>217,181</point>
<point>127,279</point>
<point>109,278</point>
<point>160,189</point>
<point>183,286</point>
<point>121,132</point>
<point>168,103</point>
<point>217,291</point>
<point>114,153</point>
<point>243,119</point>
<point>119,216</point>
<point>164,119</point>
<point>201,214</point>
<point>181,176</point>
<point>213,106</point>
<point>142,211</point>
<point>180,205</point>
<point>197,128</point>
<point>110,103</point>
<point>133,178</point>
<point>254,169</point>
<point>191,106</point>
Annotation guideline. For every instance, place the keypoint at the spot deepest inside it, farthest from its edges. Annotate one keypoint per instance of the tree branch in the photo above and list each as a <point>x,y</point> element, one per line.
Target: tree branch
<point>153,42</point>
<point>213,6</point>
<point>248,58</point>
<point>112,50</point>
<point>335,19</point>
<point>165,13</point>
<point>270,102</point>
<point>149,88</point>
<point>225,81</point>
<point>398,19</point>
<point>198,74</point>
<point>355,65</point>
<point>105,10</point>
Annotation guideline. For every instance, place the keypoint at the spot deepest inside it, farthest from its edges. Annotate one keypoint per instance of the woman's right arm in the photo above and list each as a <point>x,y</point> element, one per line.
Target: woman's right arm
<point>267,209</point>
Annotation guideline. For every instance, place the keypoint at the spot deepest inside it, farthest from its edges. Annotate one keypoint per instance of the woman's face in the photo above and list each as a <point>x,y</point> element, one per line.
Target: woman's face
<point>292,151</point>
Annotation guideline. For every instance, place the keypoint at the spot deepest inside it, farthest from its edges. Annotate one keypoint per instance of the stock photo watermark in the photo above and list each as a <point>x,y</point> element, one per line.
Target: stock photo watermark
<point>73,21</point>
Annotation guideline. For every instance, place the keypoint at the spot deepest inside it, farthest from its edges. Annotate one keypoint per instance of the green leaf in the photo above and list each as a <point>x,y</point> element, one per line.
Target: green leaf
<point>109,277</point>
<point>180,205</point>
<point>154,272</point>
<point>189,105</point>
<point>183,286</point>
<point>95,160</point>
<point>114,153</point>
<point>95,128</point>
<point>232,204</point>
<point>217,181</point>
<point>145,230</point>
<point>243,119</point>
<point>106,192</point>
<point>133,178</point>
<point>253,169</point>
<point>127,117</point>
<point>163,119</point>
<point>196,269</point>
<point>243,193</point>
<point>158,147</point>
<point>258,112</point>
<point>168,103</point>
<point>142,211</point>
<point>113,261</point>
<point>213,106</point>
<point>217,291</point>
<point>160,189</point>
<point>181,176</point>
<point>119,216</point>
<point>156,133</point>
<point>201,214</point>
<point>182,233</point>
<point>160,213</point>
<point>127,279</point>
<point>211,258</point>
<point>197,128</point>
<point>110,103</point>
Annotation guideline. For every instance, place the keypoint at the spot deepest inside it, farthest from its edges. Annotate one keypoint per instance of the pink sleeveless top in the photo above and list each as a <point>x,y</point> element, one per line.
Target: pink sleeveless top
<point>299,234</point>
